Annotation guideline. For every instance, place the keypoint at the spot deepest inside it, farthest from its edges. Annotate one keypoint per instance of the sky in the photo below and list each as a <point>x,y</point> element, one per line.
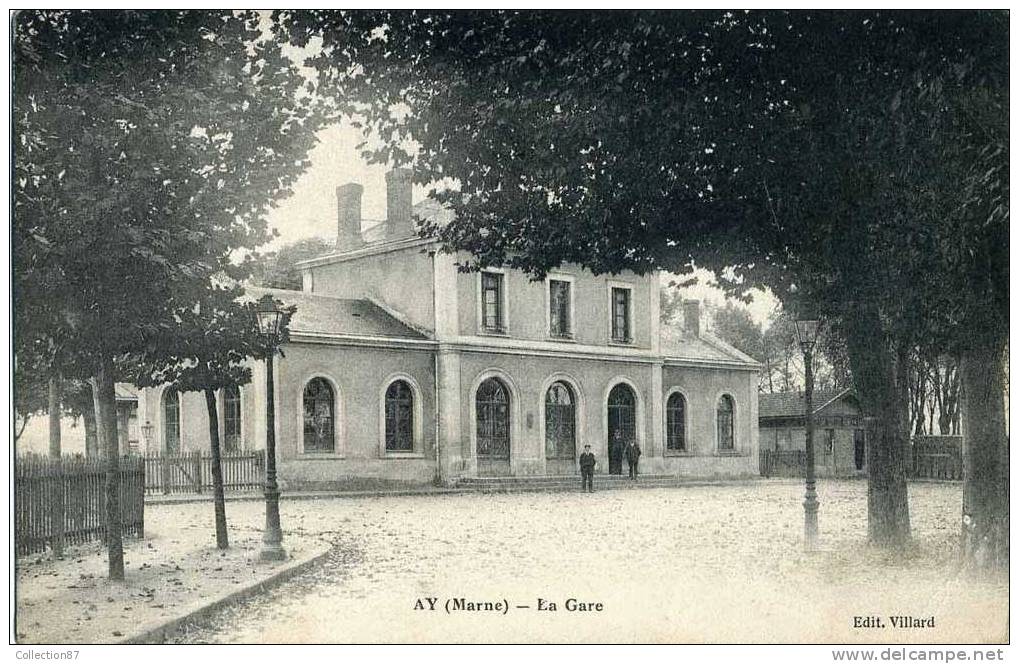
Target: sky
<point>336,160</point>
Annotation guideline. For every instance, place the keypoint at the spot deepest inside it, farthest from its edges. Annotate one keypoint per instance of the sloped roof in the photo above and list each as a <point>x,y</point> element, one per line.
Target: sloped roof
<point>792,404</point>
<point>677,343</point>
<point>321,314</point>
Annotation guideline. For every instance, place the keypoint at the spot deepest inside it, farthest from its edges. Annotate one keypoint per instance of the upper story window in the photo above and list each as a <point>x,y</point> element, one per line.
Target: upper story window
<point>493,315</point>
<point>560,321</point>
<point>621,331</point>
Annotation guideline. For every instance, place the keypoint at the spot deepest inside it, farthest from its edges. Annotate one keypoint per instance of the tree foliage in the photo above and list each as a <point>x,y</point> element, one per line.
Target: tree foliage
<point>149,146</point>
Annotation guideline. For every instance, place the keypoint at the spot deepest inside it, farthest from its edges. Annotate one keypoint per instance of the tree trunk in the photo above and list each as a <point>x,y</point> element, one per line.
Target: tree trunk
<point>875,376</point>
<point>217,471</point>
<point>53,408</point>
<point>106,419</point>
<point>985,538</point>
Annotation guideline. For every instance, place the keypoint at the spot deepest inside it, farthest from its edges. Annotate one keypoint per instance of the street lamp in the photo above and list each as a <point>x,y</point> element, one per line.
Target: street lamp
<point>268,316</point>
<point>806,334</point>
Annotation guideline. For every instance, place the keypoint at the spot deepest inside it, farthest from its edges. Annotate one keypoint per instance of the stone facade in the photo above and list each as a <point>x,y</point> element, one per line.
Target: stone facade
<point>388,307</point>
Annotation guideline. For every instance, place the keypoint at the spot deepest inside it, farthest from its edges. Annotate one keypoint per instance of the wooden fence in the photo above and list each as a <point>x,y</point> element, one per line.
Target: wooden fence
<point>937,457</point>
<point>931,457</point>
<point>783,463</point>
<point>41,484</point>
<point>191,472</point>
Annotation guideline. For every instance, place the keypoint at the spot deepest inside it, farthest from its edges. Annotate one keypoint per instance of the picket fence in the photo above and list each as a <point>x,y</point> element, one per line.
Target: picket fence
<point>44,485</point>
<point>191,472</point>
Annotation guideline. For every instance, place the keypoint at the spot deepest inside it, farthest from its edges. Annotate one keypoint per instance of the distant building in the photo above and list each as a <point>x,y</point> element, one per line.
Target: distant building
<point>840,443</point>
<point>402,368</point>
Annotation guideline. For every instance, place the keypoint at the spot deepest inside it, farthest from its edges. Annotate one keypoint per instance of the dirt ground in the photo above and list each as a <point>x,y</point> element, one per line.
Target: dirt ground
<point>174,567</point>
<point>690,564</point>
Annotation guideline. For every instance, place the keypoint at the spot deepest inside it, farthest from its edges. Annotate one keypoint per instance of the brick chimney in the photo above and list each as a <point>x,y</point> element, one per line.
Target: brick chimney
<point>692,317</point>
<point>348,217</point>
<point>399,186</point>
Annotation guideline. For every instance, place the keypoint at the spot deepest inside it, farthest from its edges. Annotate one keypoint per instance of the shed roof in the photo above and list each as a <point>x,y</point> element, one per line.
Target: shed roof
<point>793,404</point>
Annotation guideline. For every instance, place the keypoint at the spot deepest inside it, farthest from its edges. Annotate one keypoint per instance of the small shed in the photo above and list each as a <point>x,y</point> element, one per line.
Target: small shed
<point>840,441</point>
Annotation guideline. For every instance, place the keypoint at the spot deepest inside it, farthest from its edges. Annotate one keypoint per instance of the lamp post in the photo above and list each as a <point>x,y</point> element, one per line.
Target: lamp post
<point>806,334</point>
<point>268,316</point>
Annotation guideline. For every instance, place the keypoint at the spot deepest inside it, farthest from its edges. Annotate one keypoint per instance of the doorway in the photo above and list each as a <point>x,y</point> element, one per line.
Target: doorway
<point>622,425</point>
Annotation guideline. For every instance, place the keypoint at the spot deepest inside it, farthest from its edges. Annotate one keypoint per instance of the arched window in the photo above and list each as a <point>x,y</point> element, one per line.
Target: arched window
<point>726,440</point>
<point>493,416</point>
<point>232,418</point>
<point>319,416</point>
<point>399,417</point>
<point>675,423</point>
<point>560,422</point>
<point>171,421</point>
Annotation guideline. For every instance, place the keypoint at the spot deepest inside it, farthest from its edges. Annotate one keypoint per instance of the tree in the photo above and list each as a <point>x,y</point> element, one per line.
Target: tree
<point>149,146</point>
<point>277,269</point>
<point>799,151</point>
<point>215,339</point>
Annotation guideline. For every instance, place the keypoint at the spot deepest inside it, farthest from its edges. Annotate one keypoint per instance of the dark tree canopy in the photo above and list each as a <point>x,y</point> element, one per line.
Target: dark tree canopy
<point>149,147</point>
<point>761,142</point>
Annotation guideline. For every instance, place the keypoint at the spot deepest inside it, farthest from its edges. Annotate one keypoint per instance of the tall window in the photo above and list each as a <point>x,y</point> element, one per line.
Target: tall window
<point>560,423</point>
<point>492,316</point>
<point>559,308</point>
<point>493,418</point>
<point>675,423</point>
<point>171,421</point>
<point>725,424</point>
<point>319,416</point>
<point>621,314</point>
<point>399,417</point>
<point>232,418</point>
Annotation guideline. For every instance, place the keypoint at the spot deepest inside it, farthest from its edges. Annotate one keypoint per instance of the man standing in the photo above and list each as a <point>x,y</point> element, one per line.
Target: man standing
<point>587,463</point>
<point>632,458</point>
